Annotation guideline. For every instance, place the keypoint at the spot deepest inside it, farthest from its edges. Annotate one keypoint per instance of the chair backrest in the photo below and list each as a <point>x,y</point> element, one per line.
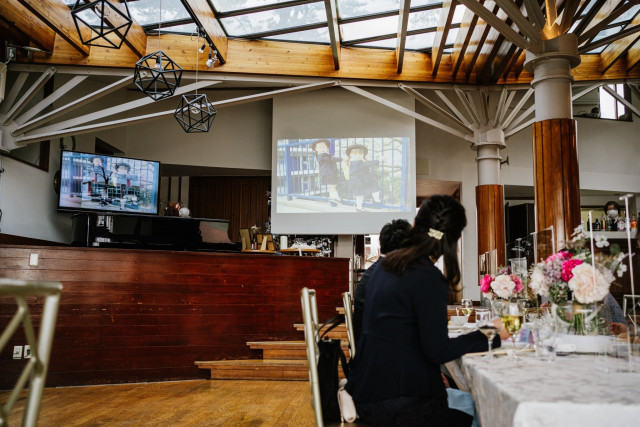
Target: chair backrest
<point>311,329</point>
<point>347,301</point>
<point>36,369</point>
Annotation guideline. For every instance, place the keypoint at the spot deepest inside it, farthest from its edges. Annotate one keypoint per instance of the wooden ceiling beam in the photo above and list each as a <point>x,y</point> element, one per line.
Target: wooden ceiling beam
<point>56,15</point>
<point>591,33</point>
<point>15,14</point>
<point>534,13</point>
<point>588,17</point>
<point>444,23</point>
<point>512,9</point>
<point>478,39</point>
<point>602,13</point>
<point>633,57</point>
<point>136,37</point>
<point>627,32</point>
<point>504,63</point>
<point>277,58</point>
<point>619,47</point>
<point>496,22</point>
<point>467,28</point>
<point>568,15</point>
<point>202,14</point>
<point>401,39</point>
<point>334,31</point>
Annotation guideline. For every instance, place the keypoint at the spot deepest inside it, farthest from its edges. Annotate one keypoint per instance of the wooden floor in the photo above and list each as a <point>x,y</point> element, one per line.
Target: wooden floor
<point>179,403</point>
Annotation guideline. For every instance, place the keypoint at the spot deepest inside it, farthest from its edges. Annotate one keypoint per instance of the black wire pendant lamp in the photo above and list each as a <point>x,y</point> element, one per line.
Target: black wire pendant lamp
<point>101,23</point>
<point>157,75</point>
<point>194,111</point>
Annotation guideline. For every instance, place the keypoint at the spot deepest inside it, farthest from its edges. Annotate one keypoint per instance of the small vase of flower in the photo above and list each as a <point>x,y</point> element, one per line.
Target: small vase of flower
<point>578,273</point>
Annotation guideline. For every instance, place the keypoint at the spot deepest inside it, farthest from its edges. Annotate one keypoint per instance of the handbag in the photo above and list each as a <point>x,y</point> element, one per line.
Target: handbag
<point>337,404</point>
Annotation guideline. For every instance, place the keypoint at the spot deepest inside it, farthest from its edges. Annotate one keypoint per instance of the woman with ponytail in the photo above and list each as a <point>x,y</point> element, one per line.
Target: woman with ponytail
<point>395,378</point>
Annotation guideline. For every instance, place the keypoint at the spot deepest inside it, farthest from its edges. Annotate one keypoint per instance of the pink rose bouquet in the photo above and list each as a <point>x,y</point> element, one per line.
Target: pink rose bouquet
<point>578,271</point>
<point>504,285</point>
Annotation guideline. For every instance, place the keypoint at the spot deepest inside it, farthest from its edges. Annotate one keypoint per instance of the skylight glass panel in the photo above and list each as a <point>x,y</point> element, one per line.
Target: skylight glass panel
<point>387,44</point>
<point>147,12</point>
<point>369,28</point>
<point>418,3</point>
<point>422,20</point>
<point>230,5</point>
<point>353,8</point>
<point>274,20</point>
<point>181,29</point>
<point>319,35</point>
<point>588,8</point>
<point>451,37</point>
<point>596,50</point>
<point>458,14</point>
<point>607,32</point>
<point>627,15</point>
<point>420,41</point>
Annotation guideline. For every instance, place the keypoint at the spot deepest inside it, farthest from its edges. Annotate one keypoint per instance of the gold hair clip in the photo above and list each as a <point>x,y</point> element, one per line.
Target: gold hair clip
<point>435,234</point>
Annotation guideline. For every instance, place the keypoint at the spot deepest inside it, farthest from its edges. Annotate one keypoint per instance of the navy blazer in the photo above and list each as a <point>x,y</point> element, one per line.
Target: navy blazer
<point>405,336</point>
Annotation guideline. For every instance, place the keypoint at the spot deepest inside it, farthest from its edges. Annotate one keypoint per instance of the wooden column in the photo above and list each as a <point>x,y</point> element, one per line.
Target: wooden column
<point>556,177</point>
<point>490,214</point>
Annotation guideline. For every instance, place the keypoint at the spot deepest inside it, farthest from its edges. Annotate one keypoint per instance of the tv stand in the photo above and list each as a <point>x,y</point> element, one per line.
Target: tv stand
<point>115,230</point>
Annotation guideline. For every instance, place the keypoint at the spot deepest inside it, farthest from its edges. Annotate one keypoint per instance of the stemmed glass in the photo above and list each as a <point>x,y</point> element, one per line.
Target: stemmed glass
<point>483,321</point>
<point>466,308</point>
<point>512,319</point>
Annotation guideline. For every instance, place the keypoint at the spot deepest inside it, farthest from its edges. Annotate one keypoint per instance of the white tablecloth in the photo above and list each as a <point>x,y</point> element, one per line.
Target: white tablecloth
<point>574,390</point>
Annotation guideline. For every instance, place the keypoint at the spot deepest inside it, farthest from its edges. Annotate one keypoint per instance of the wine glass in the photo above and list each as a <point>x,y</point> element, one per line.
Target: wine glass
<point>512,319</point>
<point>483,321</point>
<point>466,308</point>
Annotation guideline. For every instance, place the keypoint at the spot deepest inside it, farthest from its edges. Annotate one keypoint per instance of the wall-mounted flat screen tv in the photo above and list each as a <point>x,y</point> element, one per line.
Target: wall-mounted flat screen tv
<point>101,183</point>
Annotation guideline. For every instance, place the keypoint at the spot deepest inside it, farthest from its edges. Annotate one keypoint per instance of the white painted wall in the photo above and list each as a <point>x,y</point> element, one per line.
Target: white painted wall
<point>241,138</point>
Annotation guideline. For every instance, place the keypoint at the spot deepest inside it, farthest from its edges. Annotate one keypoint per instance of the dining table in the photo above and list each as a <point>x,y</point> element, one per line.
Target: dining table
<point>572,390</point>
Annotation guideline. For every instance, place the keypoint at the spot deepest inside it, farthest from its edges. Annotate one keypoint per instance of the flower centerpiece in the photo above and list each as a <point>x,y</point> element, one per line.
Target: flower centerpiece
<point>578,271</point>
<point>503,285</point>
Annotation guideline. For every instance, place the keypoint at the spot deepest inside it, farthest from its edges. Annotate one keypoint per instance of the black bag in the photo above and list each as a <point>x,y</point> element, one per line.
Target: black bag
<point>329,353</point>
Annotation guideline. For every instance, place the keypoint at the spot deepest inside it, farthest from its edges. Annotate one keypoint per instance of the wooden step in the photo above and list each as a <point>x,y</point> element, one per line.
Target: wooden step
<point>257,369</point>
<point>339,332</point>
<point>287,350</point>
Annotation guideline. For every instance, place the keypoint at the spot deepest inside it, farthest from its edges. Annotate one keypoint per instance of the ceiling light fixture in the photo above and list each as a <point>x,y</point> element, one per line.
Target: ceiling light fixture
<point>213,58</point>
<point>194,111</point>
<point>101,23</point>
<point>157,75</point>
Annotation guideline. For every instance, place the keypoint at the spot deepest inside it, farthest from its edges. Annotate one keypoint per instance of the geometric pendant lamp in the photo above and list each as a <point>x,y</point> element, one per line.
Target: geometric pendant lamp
<point>100,23</point>
<point>195,113</point>
<point>157,75</point>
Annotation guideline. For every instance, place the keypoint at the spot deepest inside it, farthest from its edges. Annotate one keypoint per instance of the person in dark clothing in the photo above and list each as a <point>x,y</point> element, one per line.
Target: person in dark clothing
<point>391,237</point>
<point>362,181</point>
<point>395,378</point>
<point>328,169</point>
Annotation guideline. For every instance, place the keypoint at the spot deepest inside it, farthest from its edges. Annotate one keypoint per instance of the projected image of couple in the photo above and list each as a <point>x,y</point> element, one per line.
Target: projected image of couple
<point>348,175</point>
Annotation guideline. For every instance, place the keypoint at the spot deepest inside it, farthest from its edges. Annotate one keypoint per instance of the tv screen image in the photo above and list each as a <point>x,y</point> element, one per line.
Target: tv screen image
<point>97,182</point>
<point>339,175</point>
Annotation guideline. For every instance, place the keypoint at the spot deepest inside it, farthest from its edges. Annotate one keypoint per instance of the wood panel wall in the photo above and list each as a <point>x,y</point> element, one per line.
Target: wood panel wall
<point>136,315</point>
<point>241,200</point>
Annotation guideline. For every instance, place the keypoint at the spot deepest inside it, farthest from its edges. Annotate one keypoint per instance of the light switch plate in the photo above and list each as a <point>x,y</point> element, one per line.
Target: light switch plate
<point>33,260</point>
<point>27,351</point>
<point>17,352</point>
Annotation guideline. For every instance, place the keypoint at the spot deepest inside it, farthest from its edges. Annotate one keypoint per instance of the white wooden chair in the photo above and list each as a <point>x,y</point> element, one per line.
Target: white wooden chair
<point>347,302</point>
<point>36,368</point>
<point>311,328</point>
